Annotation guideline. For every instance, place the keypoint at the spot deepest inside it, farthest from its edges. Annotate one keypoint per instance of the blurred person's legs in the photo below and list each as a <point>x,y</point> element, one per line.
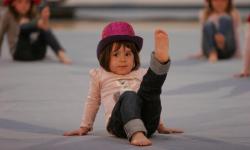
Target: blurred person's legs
<point>208,42</point>
<point>32,45</point>
<point>53,42</point>
<point>28,49</point>
<point>224,48</point>
<point>227,30</point>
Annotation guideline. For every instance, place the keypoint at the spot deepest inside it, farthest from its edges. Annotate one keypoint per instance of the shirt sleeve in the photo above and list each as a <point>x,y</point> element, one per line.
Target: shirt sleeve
<point>93,102</point>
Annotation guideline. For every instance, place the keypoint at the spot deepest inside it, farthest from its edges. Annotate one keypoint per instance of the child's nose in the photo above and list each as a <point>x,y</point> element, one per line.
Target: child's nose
<point>123,57</point>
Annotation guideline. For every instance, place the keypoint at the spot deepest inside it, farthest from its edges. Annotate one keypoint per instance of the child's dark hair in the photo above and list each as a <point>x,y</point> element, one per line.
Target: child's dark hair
<point>31,13</point>
<point>104,56</point>
<point>210,8</point>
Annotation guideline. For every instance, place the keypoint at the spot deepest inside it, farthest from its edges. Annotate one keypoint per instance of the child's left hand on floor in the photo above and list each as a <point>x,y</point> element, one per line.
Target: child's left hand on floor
<point>164,130</point>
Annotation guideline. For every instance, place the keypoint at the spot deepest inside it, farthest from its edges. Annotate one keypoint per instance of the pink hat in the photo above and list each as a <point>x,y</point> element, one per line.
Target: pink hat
<point>118,31</point>
<point>7,2</point>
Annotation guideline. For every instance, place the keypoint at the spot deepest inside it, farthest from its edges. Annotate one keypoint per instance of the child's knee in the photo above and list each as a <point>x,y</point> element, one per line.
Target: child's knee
<point>130,97</point>
<point>225,21</point>
<point>209,27</point>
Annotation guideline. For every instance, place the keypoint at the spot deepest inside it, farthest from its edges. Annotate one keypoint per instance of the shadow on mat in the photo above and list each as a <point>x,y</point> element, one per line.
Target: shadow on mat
<point>160,142</point>
<point>239,86</point>
<point>25,127</point>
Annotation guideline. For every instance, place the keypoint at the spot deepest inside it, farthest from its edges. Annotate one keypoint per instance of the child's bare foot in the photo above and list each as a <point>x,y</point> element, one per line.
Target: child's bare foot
<point>213,57</point>
<point>198,55</point>
<point>161,46</point>
<point>63,58</point>
<point>139,139</point>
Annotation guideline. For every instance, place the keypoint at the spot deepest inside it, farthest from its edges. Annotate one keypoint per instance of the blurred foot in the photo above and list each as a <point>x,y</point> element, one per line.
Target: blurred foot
<point>213,57</point>
<point>63,57</point>
<point>198,55</point>
<point>139,139</point>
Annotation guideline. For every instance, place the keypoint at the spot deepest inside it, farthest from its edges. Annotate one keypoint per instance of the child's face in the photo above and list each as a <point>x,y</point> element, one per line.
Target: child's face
<point>21,6</point>
<point>45,13</point>
<point>121,60</point>
<point>220,5</point>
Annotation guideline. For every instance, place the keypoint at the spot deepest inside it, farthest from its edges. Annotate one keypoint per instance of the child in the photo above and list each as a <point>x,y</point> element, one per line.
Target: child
<point>246,69</point>
<point>220,24</point>
<point>129,114</point>
<point>29,35</point>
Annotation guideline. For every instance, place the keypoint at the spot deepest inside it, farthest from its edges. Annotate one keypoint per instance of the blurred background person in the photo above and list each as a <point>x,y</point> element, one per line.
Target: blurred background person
<point>220,22</point>
<point>28,31</point>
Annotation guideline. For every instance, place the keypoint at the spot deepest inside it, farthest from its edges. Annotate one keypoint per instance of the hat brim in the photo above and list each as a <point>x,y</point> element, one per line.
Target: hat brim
<point>135,39</point>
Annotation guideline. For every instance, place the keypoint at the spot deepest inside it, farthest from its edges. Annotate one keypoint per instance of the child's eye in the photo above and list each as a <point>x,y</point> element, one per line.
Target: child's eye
<point>129,53</point>
<point>115,54</point>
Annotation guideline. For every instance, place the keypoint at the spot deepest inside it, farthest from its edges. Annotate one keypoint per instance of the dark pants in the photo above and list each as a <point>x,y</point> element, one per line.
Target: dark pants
<point>144,105</point>
<point>208,39</point>
<point>30,50</point>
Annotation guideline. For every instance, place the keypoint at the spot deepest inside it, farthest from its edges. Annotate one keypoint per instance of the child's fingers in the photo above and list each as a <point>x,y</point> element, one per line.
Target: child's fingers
<point>242,75</point>
<point>171,131</point>
<point>72,133</point>
<point>178,131</point>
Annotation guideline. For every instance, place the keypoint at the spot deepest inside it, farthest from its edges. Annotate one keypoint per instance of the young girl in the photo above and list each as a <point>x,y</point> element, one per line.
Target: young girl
<point>246,69</point>
<point>131,95</point>
<point>29,34</point>
<point>220,24</point>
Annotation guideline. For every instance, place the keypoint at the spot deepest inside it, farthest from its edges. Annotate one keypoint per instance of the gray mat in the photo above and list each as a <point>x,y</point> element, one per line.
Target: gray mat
<point>41,100</point>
